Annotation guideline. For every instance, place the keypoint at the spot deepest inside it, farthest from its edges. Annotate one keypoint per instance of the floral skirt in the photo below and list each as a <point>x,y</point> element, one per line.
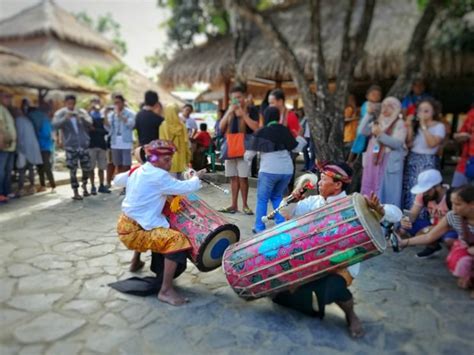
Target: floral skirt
<point>459,261</point>
<point>158,240</point>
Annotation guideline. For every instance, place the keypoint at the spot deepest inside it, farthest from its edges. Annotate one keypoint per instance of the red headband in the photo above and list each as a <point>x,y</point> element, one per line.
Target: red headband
<point>334,171</point>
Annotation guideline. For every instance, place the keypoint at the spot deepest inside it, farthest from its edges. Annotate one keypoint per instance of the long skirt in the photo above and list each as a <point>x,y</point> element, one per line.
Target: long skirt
<point>414,165</point>
<point>158,240</point>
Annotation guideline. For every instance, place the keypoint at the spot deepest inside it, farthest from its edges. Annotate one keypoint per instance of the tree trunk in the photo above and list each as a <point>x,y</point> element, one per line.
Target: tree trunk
<point>240,29</point>
<point>324,116</point>
<point>414,54</point>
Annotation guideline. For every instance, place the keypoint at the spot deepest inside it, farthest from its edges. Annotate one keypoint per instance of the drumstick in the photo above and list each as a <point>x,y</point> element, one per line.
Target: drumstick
<point>216,186</point>
<point>287,201</point>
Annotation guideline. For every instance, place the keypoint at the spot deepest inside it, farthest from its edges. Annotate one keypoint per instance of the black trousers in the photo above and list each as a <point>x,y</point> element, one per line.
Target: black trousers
<point>329,289</point>
<point>46,169</point>
<point>151,285</point>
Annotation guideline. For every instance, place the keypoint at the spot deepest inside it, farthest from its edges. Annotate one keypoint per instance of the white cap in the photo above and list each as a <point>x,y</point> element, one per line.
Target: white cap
<point>426,180</point>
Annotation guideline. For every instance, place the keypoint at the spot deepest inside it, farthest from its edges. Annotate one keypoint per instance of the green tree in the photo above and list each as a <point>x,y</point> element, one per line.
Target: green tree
<point>193,17</point>
<point>108,78</point>
<point>106,25</point>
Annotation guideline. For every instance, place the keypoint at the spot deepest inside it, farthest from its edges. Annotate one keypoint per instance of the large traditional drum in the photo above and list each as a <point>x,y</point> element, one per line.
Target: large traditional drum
<point>208,232</point>
<point>303,249</point>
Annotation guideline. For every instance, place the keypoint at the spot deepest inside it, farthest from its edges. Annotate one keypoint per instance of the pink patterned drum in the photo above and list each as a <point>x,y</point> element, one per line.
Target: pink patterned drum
<point>208,232</point>
<point>303,249</point>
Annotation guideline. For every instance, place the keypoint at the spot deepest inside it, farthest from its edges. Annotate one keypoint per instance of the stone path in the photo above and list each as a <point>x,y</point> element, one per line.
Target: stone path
<point>57,256</point>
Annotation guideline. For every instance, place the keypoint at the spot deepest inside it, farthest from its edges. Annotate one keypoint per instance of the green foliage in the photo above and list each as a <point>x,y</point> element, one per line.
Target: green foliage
<point>157,59</point>
<point>453,30</point>
<point>195,17</point>
<point>106,25</point>
<point>108,78</point>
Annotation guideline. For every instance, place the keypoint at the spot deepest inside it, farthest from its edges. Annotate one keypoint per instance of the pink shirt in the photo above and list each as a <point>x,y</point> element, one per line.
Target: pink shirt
<point>436,210</point>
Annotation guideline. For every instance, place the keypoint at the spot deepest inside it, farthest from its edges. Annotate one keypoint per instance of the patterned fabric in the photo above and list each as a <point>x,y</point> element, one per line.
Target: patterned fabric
<point>459,261</point>
<point>158,147</point>
<point>301,250</point>
<point>158,240</point>
<point>75,158</point>
<point>414,165</point>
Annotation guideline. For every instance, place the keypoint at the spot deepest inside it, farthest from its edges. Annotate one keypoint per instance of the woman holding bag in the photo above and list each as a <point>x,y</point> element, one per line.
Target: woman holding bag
<point>239,121</point>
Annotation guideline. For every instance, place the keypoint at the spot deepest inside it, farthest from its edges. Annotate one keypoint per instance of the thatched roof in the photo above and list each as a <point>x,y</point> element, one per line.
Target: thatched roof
<point>137,84</point>
<point>17,71</point>
<point>50,36</point>
<point>390,32</point>
<point>211,62</point>
<point>46,18</point>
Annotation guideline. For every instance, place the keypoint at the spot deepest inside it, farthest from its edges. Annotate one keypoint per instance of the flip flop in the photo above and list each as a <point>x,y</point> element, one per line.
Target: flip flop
<point>227,210</point>
<point>247,211</point>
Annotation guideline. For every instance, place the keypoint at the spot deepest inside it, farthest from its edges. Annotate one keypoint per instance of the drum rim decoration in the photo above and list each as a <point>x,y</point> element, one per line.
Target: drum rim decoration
<point>360,205</point>
<point>199,262</point>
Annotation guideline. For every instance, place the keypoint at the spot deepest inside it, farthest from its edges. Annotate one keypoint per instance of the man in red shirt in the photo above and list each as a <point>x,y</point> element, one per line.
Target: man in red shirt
<point>466,137</point>
<point>201,142</point>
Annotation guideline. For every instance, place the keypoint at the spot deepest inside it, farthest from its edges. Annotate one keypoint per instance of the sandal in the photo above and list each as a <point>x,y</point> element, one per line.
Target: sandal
<point>247,211</point>
<point>77,198</point>
<point>228,210</point>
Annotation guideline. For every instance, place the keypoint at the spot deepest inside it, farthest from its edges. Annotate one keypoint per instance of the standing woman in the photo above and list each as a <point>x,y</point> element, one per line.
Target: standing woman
<point>173,129</point>
<point>287,119</point>
<point>383,160</point>
<point>274,142</point>
<point>424,138</point>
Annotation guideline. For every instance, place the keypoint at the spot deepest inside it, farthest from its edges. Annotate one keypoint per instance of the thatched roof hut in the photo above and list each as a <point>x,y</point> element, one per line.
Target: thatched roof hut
<point>17,71</point>
<point>390,32</point>
<point>49,35</point>
<point>211,62</point>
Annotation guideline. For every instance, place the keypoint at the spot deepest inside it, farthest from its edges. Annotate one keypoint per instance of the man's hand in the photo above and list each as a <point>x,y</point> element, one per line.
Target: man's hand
<point>374,203</point>
<point>298,194</point>
<point>406,223</point>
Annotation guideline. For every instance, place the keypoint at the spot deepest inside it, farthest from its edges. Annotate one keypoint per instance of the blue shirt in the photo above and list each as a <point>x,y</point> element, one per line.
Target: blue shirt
<point>45,139</point>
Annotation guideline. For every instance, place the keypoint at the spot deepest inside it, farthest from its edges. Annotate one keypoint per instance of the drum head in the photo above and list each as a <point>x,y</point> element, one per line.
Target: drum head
<point>211,252</point>
<point>370,222</point>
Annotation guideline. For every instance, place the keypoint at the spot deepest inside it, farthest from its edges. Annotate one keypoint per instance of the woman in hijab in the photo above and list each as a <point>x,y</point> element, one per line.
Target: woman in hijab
<point>383,159</point>
<point>274,142</point>
<point>174,130</point>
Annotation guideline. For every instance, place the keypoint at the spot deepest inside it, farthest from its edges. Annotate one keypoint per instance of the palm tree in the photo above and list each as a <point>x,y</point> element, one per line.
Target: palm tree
<point>106,77</point>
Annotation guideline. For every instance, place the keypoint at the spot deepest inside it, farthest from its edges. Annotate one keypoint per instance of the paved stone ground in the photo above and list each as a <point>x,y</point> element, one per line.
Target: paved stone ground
<point>57,255</point>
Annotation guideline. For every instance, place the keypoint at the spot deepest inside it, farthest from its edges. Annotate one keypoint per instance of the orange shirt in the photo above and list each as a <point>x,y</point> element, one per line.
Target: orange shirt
<point>350,128</point>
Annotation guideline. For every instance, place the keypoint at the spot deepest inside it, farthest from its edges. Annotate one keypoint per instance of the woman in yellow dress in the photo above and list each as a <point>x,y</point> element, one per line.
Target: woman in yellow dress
<point>172,129</point>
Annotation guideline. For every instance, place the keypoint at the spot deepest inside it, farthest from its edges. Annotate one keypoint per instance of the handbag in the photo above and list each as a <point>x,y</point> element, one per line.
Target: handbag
<point>470,168</point>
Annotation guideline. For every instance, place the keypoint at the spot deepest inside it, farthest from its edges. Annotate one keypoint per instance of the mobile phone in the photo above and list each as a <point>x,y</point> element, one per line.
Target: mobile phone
<point>234,101</point>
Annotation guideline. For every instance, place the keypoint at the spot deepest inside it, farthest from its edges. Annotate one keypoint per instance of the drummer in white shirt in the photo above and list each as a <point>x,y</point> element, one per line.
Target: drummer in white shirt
<point>142,226</point>
<point>312,297</point>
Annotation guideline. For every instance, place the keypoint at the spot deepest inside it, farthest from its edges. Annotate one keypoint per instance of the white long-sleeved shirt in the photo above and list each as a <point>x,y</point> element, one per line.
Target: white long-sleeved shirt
<point>147,189</point>
<point>312,203</point>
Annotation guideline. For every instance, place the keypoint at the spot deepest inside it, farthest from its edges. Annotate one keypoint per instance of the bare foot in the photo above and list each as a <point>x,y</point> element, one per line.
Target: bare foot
<point>172,297</point>
<point>464,282</point>
<point>136,265</point>
<point>355,326</point>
